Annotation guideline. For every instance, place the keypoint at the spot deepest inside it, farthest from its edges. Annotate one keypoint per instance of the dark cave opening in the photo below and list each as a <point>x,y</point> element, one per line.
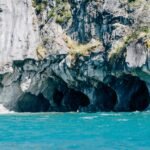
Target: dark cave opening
<point>69,100</point>
<point>132,92</point>
<point>32,103</point>
<point>75,99</point>
<point>106,97</point>
<point>83,99</point>
<point>140,99</point>
<point>58,97</point>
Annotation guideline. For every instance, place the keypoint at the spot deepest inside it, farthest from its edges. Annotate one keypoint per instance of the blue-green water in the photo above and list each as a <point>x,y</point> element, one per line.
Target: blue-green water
<point>67,131</point>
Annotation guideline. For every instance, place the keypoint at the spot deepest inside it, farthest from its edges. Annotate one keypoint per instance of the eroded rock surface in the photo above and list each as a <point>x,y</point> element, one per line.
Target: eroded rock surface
<point>58,55</point>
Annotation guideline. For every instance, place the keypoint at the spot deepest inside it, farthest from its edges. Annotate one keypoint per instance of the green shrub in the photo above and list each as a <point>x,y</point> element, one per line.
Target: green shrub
<point>59,19</point>
<point>39,5</point>
<point>61,12</point>
<point>39,9</point>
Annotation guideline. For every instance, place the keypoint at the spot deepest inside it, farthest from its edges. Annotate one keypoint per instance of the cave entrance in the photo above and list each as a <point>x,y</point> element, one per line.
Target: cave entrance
<point>140,99</point>
<point>70,100</point>
<point>58,97</point>
<point>76,99</point>
<point>83,100</point>
<point>32,103</point>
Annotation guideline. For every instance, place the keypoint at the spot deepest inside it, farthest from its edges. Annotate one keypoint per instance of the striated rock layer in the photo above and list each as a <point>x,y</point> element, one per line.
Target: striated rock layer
<point>19,33</point>
<point>74,55</point>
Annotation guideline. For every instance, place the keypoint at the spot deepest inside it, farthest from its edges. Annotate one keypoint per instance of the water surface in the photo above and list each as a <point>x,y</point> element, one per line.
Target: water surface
<point>67,131</point>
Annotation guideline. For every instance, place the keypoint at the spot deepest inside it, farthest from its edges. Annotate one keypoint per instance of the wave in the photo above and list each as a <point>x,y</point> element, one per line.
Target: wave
<point>110,114</point>
<point>4,110</point>
<point>122,120</point>
<point>89,117</point>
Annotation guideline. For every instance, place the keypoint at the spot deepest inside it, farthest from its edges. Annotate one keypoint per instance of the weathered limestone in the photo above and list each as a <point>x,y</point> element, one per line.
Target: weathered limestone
<point>19,33</point>
<point>42,71</point>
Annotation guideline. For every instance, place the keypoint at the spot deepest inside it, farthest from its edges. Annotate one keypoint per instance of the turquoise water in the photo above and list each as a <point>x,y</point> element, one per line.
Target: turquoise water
<point>67,131</point>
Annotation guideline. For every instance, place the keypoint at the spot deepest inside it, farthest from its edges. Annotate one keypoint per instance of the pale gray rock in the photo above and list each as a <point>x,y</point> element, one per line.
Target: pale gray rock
<point>136,55</point>
<point>52,36</point>
<point>19,33</point>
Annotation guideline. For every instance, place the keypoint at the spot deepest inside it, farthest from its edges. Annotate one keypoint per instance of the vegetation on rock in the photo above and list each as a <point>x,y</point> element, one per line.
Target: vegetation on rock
<point>140,32</point>
<point>83,49</point>
<point>39,5</point>
<point>60,11</point>
<point>41,52</point>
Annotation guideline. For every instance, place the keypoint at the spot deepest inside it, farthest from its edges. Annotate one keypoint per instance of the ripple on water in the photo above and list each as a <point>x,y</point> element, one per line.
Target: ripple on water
<point>122,120</point>
<point>89,117</point>
<point>75,131</point>
<point>110,114</point>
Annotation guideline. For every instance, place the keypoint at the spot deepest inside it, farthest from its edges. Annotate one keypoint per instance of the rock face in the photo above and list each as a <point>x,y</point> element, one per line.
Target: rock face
<point>19,34</point>
<point>74,55</point>
<point>35,86</point>
<point>96,19</point>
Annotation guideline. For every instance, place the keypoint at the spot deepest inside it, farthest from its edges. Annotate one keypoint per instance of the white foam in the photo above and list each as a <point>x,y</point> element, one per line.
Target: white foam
<point>110,114</point>
<point>4,110</point>
<point>89,117</point>
<point>123,119</point>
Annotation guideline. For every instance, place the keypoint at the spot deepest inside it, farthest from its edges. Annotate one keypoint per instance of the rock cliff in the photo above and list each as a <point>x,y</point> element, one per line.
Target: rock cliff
<point>19,35</point>
<point>74,55</point>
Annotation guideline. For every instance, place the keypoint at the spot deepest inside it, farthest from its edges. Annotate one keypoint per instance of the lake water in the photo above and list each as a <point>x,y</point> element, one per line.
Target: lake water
<point>69,131</point>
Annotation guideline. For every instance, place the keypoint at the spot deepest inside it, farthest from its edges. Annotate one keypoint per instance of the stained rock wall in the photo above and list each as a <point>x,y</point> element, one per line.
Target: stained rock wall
<point>35,86</point>
<point>53,64</point>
